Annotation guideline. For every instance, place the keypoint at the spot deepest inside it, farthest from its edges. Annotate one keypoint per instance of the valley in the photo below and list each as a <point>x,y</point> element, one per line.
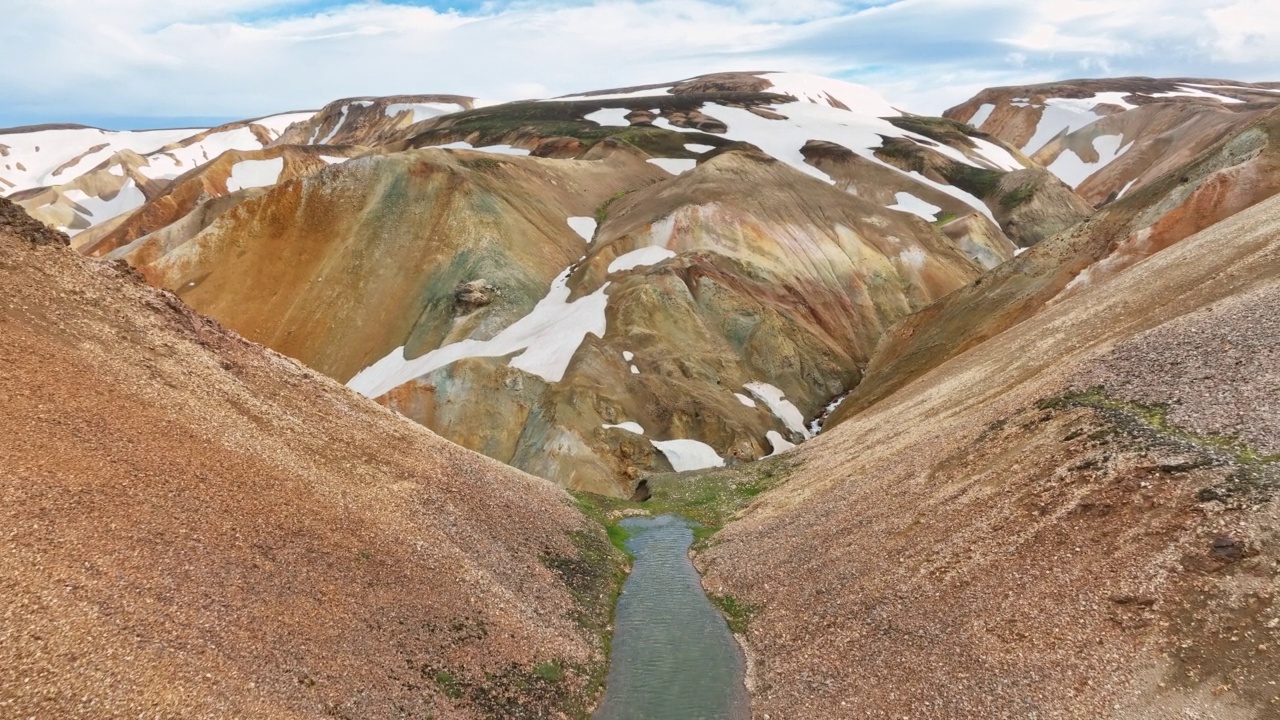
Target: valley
<point>423,406</point>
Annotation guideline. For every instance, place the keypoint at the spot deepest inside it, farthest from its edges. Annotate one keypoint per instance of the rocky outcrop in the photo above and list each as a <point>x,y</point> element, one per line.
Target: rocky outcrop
<point>369,121</point>
<point>196,526</point>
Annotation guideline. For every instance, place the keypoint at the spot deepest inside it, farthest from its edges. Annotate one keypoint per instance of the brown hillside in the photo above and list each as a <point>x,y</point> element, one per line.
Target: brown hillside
<point>198,527</point>
<point>995,539</point>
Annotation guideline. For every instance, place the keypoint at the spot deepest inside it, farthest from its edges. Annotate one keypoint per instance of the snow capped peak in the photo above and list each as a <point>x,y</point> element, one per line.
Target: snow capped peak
<point>829,91</point>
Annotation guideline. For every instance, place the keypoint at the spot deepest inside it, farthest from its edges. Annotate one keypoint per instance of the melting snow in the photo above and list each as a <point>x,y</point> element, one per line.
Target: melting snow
<point>1071,114</point>
<point>816,426</point>
<point>1195,91</point>
<point>816,89</point>
<point>97,209</point>
<point>651,255</point>
<point>421,111</point>
<point>609,116</point>
<point>632,427</point>
<point>615,96</point>
<point>996,155</point>
<point>255,173</point>
<point>635,370</point>
<point>909,203</point>
<point>675,166</point>
<point>1126,187</point>
<point>279,123</point>
<point>1073,171</point>
<point>745,400</point>
<point>44,151</point>
<point>584,226</point>
<point>548,336</point>
<point>980,117</point>
<point>778,404</point>
<point>698,147</point>
<point>689,454</point>
<point>496,149</point>
<point>333,159</point>
<point>332,133</point>
<point>779,443</point>
<point>628,355</point>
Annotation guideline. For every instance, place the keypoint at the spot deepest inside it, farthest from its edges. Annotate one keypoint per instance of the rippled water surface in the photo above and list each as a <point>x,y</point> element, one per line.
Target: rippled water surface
<point>673,656</point>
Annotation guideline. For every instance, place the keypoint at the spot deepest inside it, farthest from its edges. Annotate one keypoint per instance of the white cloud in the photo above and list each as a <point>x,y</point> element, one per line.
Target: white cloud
<point>243,58</point>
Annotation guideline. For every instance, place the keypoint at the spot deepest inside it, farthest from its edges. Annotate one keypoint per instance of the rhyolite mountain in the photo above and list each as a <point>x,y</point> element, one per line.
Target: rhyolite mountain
<point>588,288</point>
<point>594,287</point>
<point>1038,335</point>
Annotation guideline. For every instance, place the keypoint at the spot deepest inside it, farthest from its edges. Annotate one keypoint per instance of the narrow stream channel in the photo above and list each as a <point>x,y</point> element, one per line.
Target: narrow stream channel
<point>673,656</point>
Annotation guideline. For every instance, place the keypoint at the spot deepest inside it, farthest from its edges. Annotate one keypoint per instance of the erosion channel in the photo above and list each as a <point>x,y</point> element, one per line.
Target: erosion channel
<point>673,655</point>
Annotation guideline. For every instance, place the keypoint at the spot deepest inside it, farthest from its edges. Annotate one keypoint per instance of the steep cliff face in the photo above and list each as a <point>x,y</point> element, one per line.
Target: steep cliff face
<point>1109,137</point>
<point>196,526</point>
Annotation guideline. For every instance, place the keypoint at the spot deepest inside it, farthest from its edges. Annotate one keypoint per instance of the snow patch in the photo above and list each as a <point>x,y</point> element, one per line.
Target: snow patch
<point>675,166</point>
<point>628,355</point>
<point>1195,91</point>
<point>777,402</point>
<point>584,226</point>
<point>609,116</point>
<point>549,336</point>
<point>421,111</point>
<point>779,443</point>
<point>909,203</point>
<point>666,90</point>
<point>255,173</point>
<point>1073,171</point>
<point>984,111</point>
<point>745,400</point>
<point>996,155</point>
<point>496,149</point>
<point>631,427</point>
<point>689,454</point>
<point>635,370</point>
<point>651,255</point>
<point>698,147</point>
<point>821,91</point>
<point>98,209</point>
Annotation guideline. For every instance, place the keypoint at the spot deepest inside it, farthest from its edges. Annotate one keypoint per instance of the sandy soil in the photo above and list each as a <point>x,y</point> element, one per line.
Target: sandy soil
<point>192,526</point>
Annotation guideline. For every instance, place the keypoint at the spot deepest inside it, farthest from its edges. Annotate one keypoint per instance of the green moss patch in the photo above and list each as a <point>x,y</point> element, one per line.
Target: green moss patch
<point>1255,476</point>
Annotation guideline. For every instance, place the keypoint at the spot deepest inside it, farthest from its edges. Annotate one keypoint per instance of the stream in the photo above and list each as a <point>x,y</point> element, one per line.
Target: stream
<point>672,657</point>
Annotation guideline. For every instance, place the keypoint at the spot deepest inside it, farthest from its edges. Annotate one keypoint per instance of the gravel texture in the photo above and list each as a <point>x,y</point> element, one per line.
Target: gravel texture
<point>965,549</point>
<point>192,526</point>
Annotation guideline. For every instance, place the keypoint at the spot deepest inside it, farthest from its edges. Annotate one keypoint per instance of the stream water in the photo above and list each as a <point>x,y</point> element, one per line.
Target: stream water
<point>673,657</point>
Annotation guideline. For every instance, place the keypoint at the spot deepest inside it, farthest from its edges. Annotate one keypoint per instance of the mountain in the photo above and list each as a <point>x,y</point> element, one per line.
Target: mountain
<point>1027,352</point>
<point>1109,137</point>
<point>536,280</point>
<point>198,526</point>
<point>1227,178</point>
<point>1074,518</point>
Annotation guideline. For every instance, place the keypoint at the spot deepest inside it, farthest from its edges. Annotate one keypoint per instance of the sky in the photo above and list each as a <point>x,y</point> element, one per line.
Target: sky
<point>154,63</point>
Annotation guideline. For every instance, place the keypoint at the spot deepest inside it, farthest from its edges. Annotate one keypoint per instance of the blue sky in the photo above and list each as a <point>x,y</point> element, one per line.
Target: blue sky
<point>146,63</point>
